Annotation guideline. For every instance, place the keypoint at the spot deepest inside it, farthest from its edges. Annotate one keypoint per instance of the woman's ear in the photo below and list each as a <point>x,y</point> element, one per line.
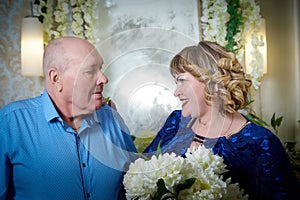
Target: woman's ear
<point>55,78</point>
<point>212,88</point>
<point>216,88</point>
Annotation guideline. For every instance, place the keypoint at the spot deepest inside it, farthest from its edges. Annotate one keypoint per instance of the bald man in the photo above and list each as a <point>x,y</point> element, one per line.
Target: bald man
<point>66,143</point>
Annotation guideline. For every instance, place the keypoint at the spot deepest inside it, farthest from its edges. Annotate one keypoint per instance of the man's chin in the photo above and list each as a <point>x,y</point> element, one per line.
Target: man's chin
<point>99,104</point>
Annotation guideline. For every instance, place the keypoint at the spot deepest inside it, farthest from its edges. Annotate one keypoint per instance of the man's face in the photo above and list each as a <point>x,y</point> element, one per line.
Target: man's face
<point>84,83</point>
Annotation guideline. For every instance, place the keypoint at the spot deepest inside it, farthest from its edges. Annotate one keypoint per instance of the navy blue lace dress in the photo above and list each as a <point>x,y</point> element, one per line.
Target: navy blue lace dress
<point>255,157</point>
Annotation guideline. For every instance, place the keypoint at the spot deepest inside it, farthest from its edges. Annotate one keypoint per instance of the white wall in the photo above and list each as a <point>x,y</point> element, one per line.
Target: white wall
<point>297,52</point>
<point>280,87</point>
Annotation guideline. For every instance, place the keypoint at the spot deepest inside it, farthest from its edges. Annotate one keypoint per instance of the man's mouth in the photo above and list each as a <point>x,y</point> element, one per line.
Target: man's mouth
<point>98,94</point>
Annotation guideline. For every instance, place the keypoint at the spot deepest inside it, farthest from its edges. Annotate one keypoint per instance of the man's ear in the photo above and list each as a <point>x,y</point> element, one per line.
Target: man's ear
<point>55,78</point>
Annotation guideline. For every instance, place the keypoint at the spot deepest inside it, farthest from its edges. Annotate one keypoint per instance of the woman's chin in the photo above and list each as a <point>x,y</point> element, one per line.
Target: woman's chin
<point>185,114</point>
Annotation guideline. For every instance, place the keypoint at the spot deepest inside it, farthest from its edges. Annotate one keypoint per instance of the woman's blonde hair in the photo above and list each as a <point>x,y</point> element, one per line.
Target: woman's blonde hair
<point>217,68</point>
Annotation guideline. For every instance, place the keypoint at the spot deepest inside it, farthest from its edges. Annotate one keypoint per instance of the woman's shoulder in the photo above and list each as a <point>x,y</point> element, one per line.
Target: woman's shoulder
<point>174,114</point>
<point>167,132</point>
<point>256,131</point>
<point>173,119</point>
<point>255,134</point>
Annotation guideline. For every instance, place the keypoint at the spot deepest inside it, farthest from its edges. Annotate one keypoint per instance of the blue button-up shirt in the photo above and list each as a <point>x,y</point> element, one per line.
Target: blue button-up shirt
<point>41,157</point>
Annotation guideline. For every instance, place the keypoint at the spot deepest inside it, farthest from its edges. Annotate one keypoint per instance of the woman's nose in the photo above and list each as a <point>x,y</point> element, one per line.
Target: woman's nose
<point>177,92</point>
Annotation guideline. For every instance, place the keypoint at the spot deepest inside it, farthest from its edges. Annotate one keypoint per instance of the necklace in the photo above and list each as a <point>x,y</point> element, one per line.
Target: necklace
<point>201,139</point>
<point>231,121</point>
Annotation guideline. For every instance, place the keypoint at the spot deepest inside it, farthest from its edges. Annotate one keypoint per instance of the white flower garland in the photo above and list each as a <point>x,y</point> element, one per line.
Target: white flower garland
<point>61,13</point>
<point>68,17</point>
<point>200,163</point>
<point>214,19</point>
<point>83,18</point>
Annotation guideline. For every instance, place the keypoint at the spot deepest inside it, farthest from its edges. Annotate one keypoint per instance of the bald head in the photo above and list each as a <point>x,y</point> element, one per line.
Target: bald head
<point>73,76</point>
<point>60,52</point>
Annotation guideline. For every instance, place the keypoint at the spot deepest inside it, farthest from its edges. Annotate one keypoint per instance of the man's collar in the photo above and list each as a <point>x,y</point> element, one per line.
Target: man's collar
<point>49,109</point>
<point>51,113</point>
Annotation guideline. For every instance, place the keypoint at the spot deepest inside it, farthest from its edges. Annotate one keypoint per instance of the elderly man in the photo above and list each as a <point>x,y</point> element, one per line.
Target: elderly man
<point>66,143</point>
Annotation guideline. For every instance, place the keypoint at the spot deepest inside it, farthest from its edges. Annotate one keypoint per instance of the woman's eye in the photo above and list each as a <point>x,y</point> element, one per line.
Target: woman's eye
<point>179,80</point>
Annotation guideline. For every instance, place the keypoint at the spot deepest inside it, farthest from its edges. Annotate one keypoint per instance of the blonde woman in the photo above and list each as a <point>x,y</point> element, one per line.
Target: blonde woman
<point>212,87</point>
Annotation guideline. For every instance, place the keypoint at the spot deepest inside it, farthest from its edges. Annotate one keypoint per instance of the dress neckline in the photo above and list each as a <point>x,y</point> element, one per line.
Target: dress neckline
<point>242,127</point>
<point>201,139</point>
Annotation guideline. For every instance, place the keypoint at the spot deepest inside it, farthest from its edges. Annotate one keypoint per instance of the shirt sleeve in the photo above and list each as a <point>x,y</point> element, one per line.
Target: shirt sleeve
<point>5,166</point>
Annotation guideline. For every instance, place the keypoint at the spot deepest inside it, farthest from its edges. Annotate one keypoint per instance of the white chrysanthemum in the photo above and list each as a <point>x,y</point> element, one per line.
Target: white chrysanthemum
<point>200,163</point>
<point>146,173</point>
<point>202,157</point>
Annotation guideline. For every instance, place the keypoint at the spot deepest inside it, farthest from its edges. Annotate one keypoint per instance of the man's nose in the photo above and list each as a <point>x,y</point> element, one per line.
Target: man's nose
<point>102,79</point>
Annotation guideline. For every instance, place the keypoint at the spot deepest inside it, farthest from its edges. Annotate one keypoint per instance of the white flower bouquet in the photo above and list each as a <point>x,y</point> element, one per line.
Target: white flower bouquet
<point>167,176</point>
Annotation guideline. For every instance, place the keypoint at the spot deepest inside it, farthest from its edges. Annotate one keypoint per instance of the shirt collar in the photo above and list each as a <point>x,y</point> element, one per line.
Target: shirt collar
<point>48,107</point>
<point>51,113</point>
<point>90,120</point>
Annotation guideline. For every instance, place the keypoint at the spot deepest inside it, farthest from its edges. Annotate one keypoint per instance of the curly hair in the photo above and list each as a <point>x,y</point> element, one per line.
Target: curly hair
<point>217,68</point>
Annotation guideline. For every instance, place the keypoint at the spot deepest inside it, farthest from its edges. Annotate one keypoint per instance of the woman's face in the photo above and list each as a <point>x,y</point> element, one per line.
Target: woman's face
<point>190,92</point>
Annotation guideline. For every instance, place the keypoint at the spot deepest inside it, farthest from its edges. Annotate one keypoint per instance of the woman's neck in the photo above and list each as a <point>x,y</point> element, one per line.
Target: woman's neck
<point>218,125</point>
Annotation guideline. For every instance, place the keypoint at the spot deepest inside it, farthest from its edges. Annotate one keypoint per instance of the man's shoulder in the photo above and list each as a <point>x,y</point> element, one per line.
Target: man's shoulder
<point>105,110</point>
<point>106,113</point>
<point>29,104</point>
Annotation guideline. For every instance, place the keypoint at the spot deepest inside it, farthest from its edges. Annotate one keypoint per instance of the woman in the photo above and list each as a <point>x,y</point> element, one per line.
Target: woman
<point>212,87</point>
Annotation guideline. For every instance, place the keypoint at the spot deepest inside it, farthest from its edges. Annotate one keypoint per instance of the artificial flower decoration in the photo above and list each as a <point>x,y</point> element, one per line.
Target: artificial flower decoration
<point>198,176</point>
<point>228,22</point>
<point>67,17</point>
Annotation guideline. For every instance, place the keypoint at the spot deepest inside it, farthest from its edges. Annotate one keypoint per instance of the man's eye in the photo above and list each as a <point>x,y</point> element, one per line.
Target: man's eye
<point>90,72</point>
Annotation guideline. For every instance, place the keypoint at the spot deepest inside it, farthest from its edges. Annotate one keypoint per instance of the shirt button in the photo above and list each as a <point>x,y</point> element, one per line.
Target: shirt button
<point>88,195</point>
<point>83,165</point>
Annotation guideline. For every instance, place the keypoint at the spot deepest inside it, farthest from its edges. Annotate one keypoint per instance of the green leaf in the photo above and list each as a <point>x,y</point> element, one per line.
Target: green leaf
<point>107,99</point>
<point>276,121</point>
<point>162,192</point>
<point>249,102</point>
<point>133,137</point>
<point>37,2</point>
<point>185,185</point>
<point>44,9</point>
<point>273,120</point>
<point>279,120</point>
<point>41,18</point>
<point>257,120</point>
<point>158,152</point>
<point>233,24</point>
